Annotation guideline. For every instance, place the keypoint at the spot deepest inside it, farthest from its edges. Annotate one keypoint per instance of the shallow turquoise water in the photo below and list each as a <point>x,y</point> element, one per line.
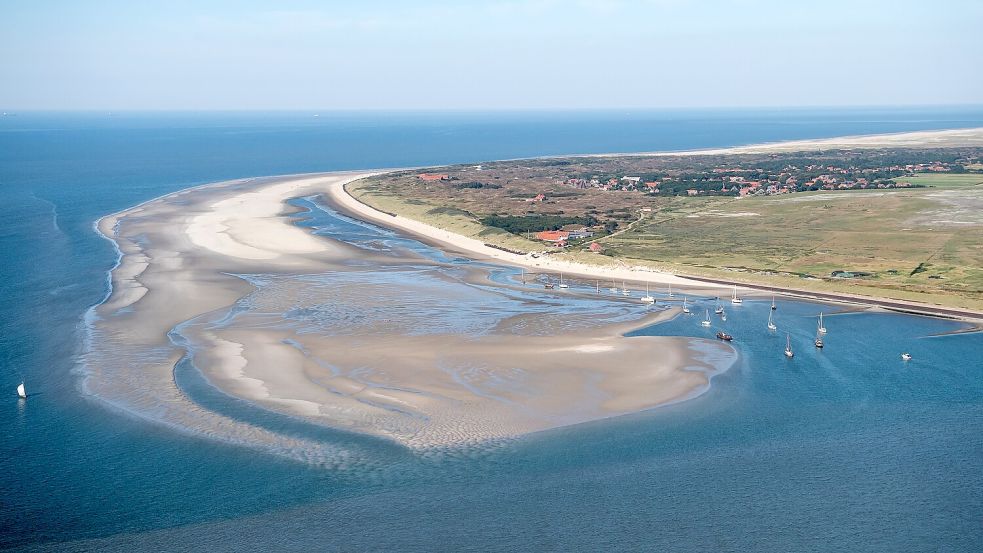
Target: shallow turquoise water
<point>848,448</point>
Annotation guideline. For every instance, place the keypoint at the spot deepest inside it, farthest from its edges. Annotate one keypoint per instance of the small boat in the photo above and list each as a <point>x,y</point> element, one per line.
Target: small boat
<point>563,284</point>
<point>822,329</point>
<point>685,307</point>
<point>21,392</point>
<point>549,283</point>
<point>905,356</point>
<point>706,322</point>
<point>724,336</point>
<point>734,298</point>
<point>613,289</point>
<point>788,347</point>
<point>624,289</point>
<point>819,341</point>
<point>671,295</point>
<point>773,306</point>
<point>719,308</point>
<point>771,322</point>
<point>647,298</point>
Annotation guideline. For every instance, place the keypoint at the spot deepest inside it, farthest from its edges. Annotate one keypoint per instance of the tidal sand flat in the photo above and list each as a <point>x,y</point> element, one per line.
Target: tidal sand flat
<point>378,335</point>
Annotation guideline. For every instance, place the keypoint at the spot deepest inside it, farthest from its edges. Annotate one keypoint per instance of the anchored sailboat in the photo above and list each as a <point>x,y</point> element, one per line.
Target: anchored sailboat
<point>706,322</point>
<point>719,308</point>
<point>613,289</point>
<point>685,307</point>
<point>723,315</point>
<point>788,347</point>
<point>734,298</point>
<point>647,298</point>
<point>670,291</point>
<point>21,392</point>
<point>771,322</point>
<point>624,289</point>
<point>563,284</point>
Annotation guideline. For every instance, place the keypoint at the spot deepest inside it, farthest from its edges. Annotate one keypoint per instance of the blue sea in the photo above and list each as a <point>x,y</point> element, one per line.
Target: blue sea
<point>845,449</point>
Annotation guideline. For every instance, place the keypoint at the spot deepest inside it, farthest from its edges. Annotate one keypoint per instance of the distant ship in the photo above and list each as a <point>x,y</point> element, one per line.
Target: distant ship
<point>21,392</point>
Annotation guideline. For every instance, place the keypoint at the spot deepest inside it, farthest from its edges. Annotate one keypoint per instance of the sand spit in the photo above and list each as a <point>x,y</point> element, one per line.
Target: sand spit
<point>384,343</point>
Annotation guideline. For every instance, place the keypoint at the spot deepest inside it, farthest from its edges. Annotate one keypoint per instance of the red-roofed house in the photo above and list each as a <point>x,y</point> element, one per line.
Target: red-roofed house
<point>553,235</point>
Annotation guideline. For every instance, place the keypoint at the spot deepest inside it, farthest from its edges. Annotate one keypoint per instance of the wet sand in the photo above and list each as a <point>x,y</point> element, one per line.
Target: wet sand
<point>385,343</point>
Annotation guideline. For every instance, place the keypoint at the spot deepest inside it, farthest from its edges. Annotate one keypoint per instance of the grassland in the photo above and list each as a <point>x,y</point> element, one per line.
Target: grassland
<point>916,244</point>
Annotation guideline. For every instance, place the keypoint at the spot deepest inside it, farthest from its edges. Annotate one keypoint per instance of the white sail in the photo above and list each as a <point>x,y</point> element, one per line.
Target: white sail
<point>735,299</point>
<point>822,329</point>
<point>647,298</point>
<point>706,321</point>
<point>21,391</point>
<point>685,307</point>
<point>771,322</point>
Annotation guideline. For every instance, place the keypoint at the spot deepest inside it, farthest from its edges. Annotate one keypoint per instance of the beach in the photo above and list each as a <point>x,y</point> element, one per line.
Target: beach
<point>277,316</point>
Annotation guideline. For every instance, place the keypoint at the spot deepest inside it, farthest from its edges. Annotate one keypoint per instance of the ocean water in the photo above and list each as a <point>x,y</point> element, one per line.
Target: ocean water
<point>844,449</point>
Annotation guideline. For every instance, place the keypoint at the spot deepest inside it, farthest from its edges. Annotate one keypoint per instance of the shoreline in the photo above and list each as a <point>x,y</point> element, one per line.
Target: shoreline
<point>637,274</point>
<point>182,288</point>
<point>178,257</point>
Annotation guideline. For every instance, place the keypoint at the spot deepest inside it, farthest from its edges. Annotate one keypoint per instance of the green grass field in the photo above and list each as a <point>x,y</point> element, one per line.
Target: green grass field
<point>919,244</point>
<point>922,244</point>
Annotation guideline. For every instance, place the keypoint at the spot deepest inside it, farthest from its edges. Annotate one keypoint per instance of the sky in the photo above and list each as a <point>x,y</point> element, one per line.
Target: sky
<point>497,54</point>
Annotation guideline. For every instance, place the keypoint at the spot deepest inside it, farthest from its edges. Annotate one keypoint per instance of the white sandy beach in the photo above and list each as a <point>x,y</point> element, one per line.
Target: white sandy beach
<point>357,368</point>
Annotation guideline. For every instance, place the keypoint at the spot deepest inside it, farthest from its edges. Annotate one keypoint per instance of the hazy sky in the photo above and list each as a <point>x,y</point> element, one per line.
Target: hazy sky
<point>488,54</point>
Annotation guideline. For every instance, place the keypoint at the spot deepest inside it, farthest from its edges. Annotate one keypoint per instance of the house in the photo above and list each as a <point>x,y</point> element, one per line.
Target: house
<point>692,192</point>
<point>554,236</point>
<point>577,231</point>
<point>429,177</point>
<point>632,180</point>
<point>596,248</point>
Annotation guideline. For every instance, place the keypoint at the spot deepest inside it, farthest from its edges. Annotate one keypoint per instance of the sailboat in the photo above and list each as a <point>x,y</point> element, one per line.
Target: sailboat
<point>788,347</point>
<point>706,322</point>
<point>563,284</point>
<point>734,298</point>
<point>624,289</point>
<point>723,315</point>
<point>598,288</point>
<point>773,306</point>
<point>523,276</point>
<point>670,291</point>
<point>613,289</point>
<point>21,392</point>
<point>822,329</point>
<point>647,298</point>
<point>771,322</point>
<point>685,307</point>
<point>719,309</point>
